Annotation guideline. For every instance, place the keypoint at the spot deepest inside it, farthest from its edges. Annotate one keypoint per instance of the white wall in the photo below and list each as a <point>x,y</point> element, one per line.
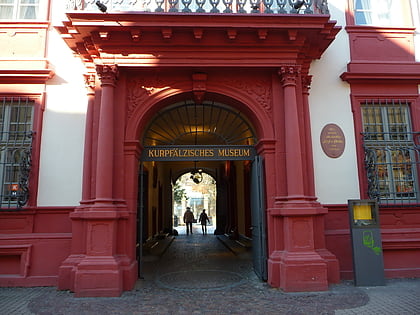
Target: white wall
<point>62,143</point>
<point>415,8</point>
<point>336,179</point>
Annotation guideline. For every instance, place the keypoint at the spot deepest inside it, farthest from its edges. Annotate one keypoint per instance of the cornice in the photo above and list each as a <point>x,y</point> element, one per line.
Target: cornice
<point>374,71</point>
<point>177,39</point>
<point>25,76</point>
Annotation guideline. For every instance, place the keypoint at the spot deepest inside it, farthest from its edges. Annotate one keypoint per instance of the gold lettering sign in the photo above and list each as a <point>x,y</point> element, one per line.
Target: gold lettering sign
<point>333,141</point>
<point>197,153</point>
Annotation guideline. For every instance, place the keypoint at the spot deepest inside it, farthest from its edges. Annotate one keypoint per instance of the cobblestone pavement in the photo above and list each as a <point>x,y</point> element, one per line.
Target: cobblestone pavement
<point>198,275</point>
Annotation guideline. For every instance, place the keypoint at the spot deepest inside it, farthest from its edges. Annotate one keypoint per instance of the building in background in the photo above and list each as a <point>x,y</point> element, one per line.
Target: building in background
<point>293,107</point>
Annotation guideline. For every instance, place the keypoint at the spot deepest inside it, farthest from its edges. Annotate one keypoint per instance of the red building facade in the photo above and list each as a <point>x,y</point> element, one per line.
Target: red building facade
<point>141,64</point>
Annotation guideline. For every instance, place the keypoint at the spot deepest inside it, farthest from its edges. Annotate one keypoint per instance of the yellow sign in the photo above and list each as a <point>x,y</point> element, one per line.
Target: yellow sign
<point>362,212</point>
<point>197,153</point>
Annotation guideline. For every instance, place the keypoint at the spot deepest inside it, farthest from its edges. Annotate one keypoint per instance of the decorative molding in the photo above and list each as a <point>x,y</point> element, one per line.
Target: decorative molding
<point>167,33</point>
<point>107,74</point>
<point>232,33</point>
<point>17,76</point>
<point>198,33</point>
<point>289,74</point>
<point>90,79</point>
<point>139,90</point>
<point>306,83</point>
<point>262,33</point>
<point>135,35</point>
<point>199,86</point>
<point>257,89</point>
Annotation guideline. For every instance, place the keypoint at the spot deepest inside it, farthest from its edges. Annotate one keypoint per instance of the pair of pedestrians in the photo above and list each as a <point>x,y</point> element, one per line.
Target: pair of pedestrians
<point>189,219</point>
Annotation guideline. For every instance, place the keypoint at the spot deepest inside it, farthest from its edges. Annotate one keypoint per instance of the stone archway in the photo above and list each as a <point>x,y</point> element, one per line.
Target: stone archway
<point>282,116</point>
<point>278,108</point>
<point>260,63</point>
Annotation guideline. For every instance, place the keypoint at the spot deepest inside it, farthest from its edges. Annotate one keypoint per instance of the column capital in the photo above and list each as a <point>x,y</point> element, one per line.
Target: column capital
<point>90,79</point>
<point>306,83</point>
<point>108,74</point>
<point>289,74</point>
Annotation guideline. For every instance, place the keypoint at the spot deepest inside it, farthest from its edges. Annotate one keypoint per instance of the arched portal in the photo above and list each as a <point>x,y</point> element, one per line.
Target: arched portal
<point>263,115</point>
<point>258,65</point>
<point>207,137</point>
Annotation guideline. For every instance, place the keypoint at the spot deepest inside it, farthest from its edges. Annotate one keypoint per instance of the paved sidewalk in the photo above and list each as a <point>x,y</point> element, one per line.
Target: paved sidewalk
<point>197,274</point>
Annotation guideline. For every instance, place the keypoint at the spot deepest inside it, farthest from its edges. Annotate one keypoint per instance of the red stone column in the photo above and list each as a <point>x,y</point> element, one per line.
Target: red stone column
<point>97,270</point>
<point>307,137</point>
<point>67,269</point>
<point>104,162</point>
<point>294,171</point>
<point>295,265</point>
<point>333,267</point>
<point>87,161</point>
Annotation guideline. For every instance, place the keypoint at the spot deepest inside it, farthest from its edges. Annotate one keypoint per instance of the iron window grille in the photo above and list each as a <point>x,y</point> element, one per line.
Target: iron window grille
<point>16,120</point>
<point>391,153</point>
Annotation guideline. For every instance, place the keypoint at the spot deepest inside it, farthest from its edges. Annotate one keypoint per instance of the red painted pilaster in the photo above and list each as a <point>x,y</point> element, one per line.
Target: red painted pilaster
<point>308,160</point>
<point>96,268</point>
<point>66,273</point>
<point>294,264</point>
<point>87,161</point>
<point>104,166</point>
<point>294,171</point>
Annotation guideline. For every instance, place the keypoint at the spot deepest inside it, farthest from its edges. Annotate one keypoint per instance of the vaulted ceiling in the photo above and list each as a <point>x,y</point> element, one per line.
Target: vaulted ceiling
<point>188,123</point>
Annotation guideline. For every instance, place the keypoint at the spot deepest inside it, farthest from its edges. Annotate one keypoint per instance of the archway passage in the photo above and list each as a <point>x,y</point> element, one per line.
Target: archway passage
<point>196,190</point>
<point>141,63</point>
<point>210,127</point>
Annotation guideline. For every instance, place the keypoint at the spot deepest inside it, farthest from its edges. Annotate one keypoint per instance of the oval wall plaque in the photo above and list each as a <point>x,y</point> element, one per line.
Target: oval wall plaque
<point>332,140</point>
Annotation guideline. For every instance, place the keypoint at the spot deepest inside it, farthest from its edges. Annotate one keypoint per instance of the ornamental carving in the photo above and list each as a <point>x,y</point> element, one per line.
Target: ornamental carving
<point>307,81</point>
<point>139,90</point>
<point>107,74</point>
<point>258,90</point>
<point>71,4</point>
<point>289,74</point>
<point>90,81</point>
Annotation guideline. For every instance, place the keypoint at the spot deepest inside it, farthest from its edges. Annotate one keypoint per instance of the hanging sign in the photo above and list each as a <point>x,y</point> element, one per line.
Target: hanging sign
<point>332,140</point>
<point>198,153</point>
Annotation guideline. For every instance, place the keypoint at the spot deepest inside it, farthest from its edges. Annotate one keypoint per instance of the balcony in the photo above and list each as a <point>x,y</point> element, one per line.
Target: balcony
<point>203,6</point>
<point>204,33</point>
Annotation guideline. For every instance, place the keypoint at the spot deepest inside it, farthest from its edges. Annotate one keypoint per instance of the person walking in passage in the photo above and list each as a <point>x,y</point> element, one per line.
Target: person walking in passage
<point>188,220</point>
<point>203,220</point>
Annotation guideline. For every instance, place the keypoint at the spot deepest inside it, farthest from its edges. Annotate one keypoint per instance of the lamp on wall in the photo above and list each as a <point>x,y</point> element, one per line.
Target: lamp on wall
<point>298,4</point>
<point>101,6</point>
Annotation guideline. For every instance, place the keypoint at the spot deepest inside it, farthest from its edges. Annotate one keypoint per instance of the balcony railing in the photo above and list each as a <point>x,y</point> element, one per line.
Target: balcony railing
<point>202,6</point>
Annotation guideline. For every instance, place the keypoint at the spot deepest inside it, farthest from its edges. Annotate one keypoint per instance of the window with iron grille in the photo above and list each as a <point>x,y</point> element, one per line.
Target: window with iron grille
<point>16,119</point>
<point>391,152</point>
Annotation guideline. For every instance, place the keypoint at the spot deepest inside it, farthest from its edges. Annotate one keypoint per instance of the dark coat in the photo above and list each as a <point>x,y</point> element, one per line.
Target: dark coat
<point>203,218</point>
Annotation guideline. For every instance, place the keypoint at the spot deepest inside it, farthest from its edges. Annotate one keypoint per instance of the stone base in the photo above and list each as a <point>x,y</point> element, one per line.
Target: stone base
<point>333,266</point>
<point>98,276</point>
<point>66,272</point>
<point>299,272</point>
